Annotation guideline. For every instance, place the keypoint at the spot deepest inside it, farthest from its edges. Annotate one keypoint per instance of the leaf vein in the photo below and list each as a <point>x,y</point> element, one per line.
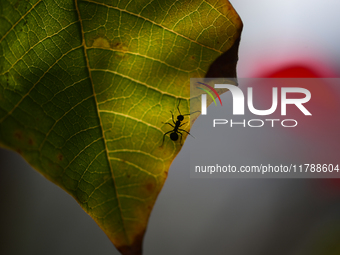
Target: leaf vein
<point>139,82</point>
<point>165,28</point>
<point>130,117</point>
<point>21,18</point>
<point>11,111</point>
<point>135,166</point>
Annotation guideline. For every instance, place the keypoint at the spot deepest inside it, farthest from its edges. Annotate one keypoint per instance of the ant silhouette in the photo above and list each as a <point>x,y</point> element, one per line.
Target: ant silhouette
<point>178,124</point>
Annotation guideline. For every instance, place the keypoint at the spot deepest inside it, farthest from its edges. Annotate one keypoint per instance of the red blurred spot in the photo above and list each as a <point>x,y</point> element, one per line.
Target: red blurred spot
<point>293,71</point>
<point>322,96</point>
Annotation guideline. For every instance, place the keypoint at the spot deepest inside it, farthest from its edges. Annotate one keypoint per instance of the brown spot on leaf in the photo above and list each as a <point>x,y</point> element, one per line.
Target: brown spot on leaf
<point>192,57</point>
<point>18,135</point>
<point>104,43</point>
<point>60,157</point>
<point>119,46</point>
<point>16,4</point>
<point>30,141</point>
<point>150,187</point>
<point>120,49</point>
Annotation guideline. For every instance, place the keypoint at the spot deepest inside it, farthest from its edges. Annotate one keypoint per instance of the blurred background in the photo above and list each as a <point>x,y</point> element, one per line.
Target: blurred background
<point>281,38</point>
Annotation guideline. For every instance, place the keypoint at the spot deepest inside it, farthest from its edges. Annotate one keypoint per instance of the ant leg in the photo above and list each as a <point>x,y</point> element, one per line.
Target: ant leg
<point>181,137</point>
<point>172,115</point>
<point>164,137</point>
<point>186,132</point>
<point>168,123</point>
<point>182,124</point>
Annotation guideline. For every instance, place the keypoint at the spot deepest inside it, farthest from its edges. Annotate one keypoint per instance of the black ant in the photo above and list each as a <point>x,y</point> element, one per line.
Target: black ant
<point>178,124</point>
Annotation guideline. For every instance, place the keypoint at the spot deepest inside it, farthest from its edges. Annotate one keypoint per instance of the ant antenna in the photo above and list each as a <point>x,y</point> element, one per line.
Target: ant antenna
<point>180,111</point>
<point>190,113</point>
<point>178,107</point>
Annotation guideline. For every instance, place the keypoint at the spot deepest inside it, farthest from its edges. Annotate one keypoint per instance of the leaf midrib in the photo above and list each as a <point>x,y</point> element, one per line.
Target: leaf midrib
<point>100,120</point>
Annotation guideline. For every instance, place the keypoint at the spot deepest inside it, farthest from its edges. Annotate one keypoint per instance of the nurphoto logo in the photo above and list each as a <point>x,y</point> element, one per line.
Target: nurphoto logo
<point>239,102</point>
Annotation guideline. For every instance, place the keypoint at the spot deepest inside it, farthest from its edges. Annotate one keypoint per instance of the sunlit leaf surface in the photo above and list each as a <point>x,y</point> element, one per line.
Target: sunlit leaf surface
<point>85,89</point>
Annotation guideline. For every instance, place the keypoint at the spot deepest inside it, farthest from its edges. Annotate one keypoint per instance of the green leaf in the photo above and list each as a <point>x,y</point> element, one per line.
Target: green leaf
<point>85,89</point>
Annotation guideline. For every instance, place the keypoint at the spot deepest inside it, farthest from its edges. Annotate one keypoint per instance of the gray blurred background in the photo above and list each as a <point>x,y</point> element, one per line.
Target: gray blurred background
<point>204,216</point>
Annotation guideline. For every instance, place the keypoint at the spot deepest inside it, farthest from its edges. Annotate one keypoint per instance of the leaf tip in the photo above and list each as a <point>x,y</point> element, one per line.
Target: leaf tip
<point>136,247</point>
